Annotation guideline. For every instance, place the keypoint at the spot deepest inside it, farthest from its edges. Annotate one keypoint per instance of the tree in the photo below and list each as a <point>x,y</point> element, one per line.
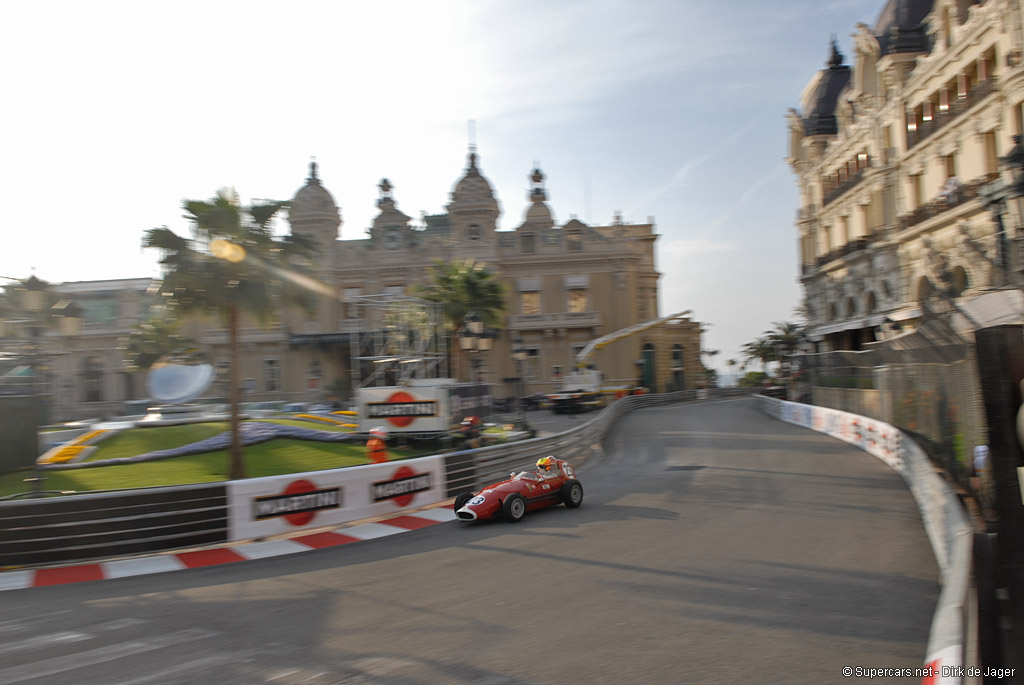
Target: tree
<point>151,340</point>
<point>462,287</point>
<point>232,266</point>
<point>762,350</point>
<point>785,338</point>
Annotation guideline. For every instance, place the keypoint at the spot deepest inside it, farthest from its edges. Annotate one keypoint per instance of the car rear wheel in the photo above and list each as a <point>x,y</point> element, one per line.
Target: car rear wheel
<point>461,499</point>
<point>514,508</point>
<point>572,493</point>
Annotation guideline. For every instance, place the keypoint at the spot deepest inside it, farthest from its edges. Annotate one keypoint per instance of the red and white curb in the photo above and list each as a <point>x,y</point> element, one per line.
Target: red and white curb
<point>137,566</point>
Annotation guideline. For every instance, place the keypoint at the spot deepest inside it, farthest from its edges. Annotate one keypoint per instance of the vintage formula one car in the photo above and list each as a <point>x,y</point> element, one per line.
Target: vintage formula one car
<point>552,482</point>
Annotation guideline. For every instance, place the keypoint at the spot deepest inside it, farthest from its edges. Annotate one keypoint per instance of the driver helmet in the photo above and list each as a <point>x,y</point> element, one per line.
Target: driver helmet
<point>471,421</point>
<point>546,464</point>
<point>379,432</point>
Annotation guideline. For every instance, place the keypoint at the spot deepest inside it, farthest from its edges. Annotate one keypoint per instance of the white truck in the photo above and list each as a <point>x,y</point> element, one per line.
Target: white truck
<point>583,389</point>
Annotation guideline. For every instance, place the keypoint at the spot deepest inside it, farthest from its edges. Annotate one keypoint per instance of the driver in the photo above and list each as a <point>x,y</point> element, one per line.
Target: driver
<point>547,466</point>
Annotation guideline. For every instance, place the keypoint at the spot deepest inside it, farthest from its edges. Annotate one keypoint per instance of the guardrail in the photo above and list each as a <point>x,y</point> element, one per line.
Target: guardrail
<point>945,520</point>
<point>104,524</point>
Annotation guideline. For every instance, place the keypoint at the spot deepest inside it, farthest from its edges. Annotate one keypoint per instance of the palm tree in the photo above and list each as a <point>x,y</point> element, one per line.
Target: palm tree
<point>462,287</point>
<point>786,337</point>
<point>231,267</point>
<point>761,349</point>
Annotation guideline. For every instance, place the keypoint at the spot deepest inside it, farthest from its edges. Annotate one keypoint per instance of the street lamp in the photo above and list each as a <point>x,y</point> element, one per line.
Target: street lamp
<point>997,194</point>
<point>474,339</point>
<point>519,355</point>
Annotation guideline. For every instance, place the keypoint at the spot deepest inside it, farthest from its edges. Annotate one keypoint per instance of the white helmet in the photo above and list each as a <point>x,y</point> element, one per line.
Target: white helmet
<point>379,432</point>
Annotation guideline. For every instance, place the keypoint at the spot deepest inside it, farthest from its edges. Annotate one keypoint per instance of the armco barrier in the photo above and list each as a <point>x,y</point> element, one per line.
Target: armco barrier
<point>106,524</point>
<point>945,520</point>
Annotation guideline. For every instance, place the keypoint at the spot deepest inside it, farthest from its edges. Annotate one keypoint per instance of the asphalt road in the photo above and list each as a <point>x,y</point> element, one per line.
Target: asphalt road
<point>715,545</point>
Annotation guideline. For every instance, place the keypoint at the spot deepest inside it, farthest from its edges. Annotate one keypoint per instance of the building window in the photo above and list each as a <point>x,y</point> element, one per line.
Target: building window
<point>473,232</point>
<point>353,310</point>
<point>529,302</point>
<point>574,243</point>
<point>577,300</point>
<point>222,381</point>
<point>315,374</point>
<point>556,372</point>
<point>93,371</point>
<point>394,290</point>
<point>641,303</point>
<point>531,368</point>
<point>528,244</point>
<point>991,158</point>
<point>915,190</point>
<point>271,375</point>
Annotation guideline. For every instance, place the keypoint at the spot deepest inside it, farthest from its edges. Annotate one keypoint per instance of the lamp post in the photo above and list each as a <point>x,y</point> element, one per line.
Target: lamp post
<point>519,355</point>
<point>998,194</point>
<point>474,339</point>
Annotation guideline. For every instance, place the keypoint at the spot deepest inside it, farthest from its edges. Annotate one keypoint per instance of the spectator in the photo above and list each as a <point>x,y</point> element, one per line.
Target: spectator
<point>951,190</point>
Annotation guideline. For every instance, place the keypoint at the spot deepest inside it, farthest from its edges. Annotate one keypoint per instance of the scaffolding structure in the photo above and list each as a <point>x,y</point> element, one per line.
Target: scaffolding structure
<point>405,340</point>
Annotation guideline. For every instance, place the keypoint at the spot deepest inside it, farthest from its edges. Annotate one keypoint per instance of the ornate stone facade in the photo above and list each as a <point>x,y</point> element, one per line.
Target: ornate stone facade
<point>893,157</point>
<point>566,284</point>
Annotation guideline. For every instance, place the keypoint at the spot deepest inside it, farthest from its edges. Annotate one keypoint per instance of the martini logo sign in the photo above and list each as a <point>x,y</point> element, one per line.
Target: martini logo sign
<point>401,409</point>
<point>297,504</point>
<point>402,487</point>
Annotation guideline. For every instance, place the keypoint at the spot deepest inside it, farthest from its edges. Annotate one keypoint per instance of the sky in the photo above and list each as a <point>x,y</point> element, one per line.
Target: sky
<point>115,112</point>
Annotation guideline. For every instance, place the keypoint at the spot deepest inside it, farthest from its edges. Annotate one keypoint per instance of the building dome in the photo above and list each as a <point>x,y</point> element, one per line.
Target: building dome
<point>473,192</point>
<point>538,213</point>
<point>821,117</point>
<point>313,201</point>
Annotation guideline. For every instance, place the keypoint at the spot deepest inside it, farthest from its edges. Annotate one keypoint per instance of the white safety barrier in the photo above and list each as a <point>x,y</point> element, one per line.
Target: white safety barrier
<point>274,505</point>
<point>945,520</point>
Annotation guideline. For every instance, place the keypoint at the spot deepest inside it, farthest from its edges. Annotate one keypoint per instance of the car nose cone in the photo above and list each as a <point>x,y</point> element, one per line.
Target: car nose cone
<point>466,514</point>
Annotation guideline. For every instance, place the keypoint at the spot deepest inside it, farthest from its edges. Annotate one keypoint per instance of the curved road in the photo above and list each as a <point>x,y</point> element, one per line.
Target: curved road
<point>714,545</point>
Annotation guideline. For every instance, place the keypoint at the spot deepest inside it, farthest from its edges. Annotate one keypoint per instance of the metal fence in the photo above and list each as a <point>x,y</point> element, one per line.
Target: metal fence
<point>107,524</point>
<point>933,394</point>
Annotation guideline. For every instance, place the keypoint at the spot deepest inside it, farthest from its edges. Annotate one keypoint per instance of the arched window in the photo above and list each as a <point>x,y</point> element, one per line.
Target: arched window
<point>870,303</point>
<point>959,282</point>
<point>649,376</point>
<point>678,369</point>
<point>924,289</point>
<point>92,371</point>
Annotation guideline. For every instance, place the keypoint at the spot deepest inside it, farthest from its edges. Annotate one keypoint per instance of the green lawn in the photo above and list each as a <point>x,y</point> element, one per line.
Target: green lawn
<point>278,456</point>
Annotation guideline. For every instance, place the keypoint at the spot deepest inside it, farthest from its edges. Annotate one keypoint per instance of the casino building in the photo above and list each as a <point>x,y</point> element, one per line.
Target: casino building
<point>566,284</point>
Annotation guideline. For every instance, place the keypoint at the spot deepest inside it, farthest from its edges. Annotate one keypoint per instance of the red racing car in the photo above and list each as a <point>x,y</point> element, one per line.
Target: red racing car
<point>552,482</point>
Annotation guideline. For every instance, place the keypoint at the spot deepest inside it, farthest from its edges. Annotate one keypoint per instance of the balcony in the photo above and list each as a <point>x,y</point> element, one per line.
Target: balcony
<point>849,248</point>
<point>965,193</point>
<point>843,187</point>
<point>956,108</point>
<point>562,320</point>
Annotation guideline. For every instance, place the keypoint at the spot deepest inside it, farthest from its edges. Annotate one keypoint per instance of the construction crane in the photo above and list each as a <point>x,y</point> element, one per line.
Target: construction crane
<point>583,389</point>
<point>597,343</point>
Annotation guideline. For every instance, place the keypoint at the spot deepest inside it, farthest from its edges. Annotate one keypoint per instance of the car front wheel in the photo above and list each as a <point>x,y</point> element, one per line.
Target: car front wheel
<point>461,499</point>
<point>514,508</point>
<point>572,493</point>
